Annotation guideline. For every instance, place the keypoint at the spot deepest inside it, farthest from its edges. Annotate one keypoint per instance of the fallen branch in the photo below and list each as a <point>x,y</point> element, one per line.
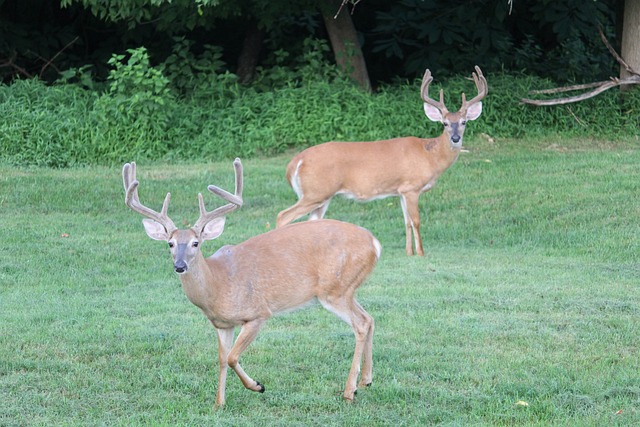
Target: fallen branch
<point>600,87</point>
<point>10,62</point>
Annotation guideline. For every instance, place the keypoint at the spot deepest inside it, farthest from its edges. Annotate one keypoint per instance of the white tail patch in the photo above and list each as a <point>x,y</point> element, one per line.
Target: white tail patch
<point>295,181</point>
<point>378,246</point>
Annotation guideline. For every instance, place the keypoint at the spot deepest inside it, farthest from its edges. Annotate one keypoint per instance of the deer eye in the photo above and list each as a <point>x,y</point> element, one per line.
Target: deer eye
<point>195,244</point>
<point>445,124</point>
<point>464,122</point>
<point>171,244</point>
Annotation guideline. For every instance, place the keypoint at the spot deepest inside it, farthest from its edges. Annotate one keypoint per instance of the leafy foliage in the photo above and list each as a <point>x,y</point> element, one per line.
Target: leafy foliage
<point>138,116</point>
<point>190,73</point>
<point>553,39</point>
<point>140,101</point>
<point>137,89</point>
<point>556,39</point>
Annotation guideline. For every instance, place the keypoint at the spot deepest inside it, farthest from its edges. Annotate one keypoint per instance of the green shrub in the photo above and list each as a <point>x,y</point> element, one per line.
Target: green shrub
<point>132,116</point>
<point>139,116</point>
<point>192,75</point>
<point>43,125</point>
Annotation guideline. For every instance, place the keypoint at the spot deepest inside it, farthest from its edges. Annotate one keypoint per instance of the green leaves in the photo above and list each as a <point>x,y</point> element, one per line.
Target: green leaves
<point>454,35</point>
<point>138,115</point>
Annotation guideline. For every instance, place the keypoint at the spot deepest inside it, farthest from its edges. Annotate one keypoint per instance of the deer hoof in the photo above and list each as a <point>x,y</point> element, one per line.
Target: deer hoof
<point>261,387</point>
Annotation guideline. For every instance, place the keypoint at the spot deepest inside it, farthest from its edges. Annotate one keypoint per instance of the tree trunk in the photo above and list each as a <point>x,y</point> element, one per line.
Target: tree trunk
<point>630,49</point>
<point>250,53</point>
<point>345,44</point>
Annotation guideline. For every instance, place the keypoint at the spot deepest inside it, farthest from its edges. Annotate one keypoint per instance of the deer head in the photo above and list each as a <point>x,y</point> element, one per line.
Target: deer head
<point>184,244</point>
<point>454,123</point>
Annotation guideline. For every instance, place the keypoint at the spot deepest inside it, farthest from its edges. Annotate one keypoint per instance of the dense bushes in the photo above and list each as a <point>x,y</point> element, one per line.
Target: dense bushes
<point>552,39</point>
<point>141,115</point>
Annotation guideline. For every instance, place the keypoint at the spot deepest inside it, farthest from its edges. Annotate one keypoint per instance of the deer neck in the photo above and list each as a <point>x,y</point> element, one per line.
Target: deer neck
<point>197,283</point>
<point>442,149</point>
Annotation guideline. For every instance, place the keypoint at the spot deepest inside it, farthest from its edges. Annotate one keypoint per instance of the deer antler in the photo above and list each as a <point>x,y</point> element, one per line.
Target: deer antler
<point>133,201</point>
<point>235,200</point>
<point>481,85</point>
<point>424,92</point>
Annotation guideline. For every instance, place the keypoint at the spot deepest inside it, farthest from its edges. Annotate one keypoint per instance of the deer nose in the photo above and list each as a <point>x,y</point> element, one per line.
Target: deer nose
<point>455,139</point>
<point>180,267</point>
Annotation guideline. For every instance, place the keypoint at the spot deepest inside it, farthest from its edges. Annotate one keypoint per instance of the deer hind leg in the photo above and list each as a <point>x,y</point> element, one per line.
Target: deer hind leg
<point>247,334</point>
<point>318,213</point>
<point>409,203</point>
<point>367,354</point>
<point>352,313</point>
<point>302,207</point>
<point>225,341</point>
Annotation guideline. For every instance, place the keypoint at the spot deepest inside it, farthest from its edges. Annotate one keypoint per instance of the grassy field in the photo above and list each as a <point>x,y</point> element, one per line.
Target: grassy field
<point>524,311</point>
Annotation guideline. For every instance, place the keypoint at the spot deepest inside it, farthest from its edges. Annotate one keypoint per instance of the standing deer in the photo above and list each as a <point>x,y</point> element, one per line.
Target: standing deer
<point>279,271</point>
<point>405,167</point>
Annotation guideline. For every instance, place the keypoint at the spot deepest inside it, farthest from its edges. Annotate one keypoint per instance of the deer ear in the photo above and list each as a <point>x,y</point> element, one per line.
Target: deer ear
<point>473,112</point>
<point>213,229</point>
<point>155,230</point>
<point>434,114</point>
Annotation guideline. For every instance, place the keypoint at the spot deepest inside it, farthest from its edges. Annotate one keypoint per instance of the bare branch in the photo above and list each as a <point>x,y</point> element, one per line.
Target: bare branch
<point>615,54</point>
<point>49,62</point>
<point>345,2</point>
<point>577,119</point>
<point>340,9</point>
<point>599,87</point>
<point>10,63</point>
<point>568,88</point>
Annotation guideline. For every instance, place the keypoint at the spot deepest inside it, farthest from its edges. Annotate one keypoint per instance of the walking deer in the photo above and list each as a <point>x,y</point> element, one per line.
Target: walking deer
<point>405,167</point>
<point>279,271</point>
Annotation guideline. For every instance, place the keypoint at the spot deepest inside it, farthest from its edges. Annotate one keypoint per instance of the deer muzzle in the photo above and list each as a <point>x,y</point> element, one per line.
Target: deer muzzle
<point>455,135</point>
<point>180,265</point>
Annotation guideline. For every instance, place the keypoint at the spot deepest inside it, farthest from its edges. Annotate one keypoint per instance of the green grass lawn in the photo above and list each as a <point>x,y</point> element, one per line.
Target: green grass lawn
<point>524,311</point>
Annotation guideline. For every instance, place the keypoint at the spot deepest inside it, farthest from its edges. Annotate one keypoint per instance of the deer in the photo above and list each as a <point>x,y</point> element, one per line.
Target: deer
<point>365,171</point>
<point>279,271</point>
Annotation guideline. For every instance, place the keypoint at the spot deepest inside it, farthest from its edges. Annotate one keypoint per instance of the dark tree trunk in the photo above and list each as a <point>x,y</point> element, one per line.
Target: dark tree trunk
<point>345,44</point>
<point>630,48</point>
<point>250,53</point>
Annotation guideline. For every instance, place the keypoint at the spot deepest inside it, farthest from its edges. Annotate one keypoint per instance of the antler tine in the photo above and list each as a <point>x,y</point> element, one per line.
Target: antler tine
<point>132,200</point>
<point>424,92</point>
<point>235,200</point>
<point>481,85</point>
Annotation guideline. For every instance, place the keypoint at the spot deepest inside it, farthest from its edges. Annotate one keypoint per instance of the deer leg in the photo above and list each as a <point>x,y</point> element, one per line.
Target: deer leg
<point>225,341</point>
<point>318,213</point>
<point>407,226</point>
<point>367,355</point>
<point>409,203</point>
<point>302,207</point>
<point>247,334</point>
<point>362,323</point>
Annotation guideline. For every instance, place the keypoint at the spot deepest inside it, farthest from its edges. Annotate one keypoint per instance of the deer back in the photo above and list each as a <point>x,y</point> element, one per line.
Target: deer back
<point>369,170</point>
<point>282,270</point>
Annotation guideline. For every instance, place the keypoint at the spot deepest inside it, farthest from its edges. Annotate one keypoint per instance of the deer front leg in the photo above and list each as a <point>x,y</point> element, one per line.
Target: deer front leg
<point>247,334</point>
<point>225,341</point>
<point>409,203</point>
